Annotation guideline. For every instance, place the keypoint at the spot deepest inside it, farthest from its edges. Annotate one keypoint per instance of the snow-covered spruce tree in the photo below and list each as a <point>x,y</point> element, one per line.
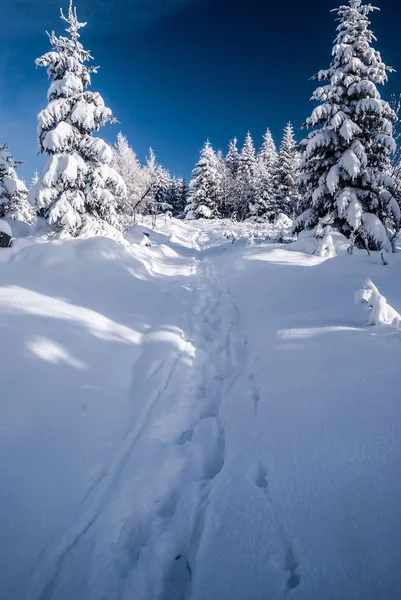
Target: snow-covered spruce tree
<point>127,165</point>
<point>224,207</point>
<point>265,168</point>
<point>13,192</point>
<point>345,159</point>
<point>161,196</point>
<point>158,183</point>
<point>151,176</point>
<point>232,163</point>
<point>205,186</point>
<point>286,175</point>
<point>178,197</point>
<point>35,178</point>
<point>246,180</point>
<point>78,190</point>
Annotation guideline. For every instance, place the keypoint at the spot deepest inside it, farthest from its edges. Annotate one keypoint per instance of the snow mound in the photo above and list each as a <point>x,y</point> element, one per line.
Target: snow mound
<point>5,227</point>
<point>331,244</point>
<point>379,311</point>
<point>20,229</point>
<point>283,221</point>
<point>137,233</point>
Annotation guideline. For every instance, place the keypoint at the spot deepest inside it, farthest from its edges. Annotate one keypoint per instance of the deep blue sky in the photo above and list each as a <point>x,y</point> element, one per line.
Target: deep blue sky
<point>176,72</point>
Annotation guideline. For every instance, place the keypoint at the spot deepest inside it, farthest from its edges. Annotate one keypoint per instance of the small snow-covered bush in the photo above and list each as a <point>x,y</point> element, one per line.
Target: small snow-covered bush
<point>326,247</point>
<point>283,221</point>
<point>379,311</point>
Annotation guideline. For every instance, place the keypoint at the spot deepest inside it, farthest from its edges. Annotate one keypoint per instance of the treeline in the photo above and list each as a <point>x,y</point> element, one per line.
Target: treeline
<point>246,184</point>
<point>344,175</point>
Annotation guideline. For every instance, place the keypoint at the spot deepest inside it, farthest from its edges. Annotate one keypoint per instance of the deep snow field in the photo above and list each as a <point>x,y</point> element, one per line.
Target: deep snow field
<point>209,418</point>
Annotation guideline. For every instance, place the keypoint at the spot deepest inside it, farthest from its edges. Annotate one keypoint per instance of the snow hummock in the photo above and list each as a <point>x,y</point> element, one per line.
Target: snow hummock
<point>5,227</point>
<point>205,418</point>
<point>379,311</point>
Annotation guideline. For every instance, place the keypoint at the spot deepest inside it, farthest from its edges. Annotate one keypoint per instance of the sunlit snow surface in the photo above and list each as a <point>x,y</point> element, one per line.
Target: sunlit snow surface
<point>209,418</point>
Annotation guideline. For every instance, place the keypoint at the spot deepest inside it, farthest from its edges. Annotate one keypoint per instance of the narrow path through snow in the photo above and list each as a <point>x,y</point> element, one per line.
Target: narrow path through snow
<point>223,427</point>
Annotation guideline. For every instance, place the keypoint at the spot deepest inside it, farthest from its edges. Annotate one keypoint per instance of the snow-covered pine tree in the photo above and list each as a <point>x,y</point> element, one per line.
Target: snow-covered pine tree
<point>35,178</point>
<point>224,186</point>
<point>158,182</point>
<point>129,168</point>
<point>178,196</point>
<point>286,175</point>
<point>150,172</point>
<point>161,193</point>
<point>13,192</point>
<point>232,163</point>
<point>233,158</point>
<point>246,180</point>
<point>204,198</point>
<point>345,159</point>
<point>395,171</point>
<point>78,189</point>
<point>266,163</point>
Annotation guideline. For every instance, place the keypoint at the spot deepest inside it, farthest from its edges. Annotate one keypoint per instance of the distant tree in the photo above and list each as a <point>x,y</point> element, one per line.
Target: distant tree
<point>346,158</point>
<point>246,179</point>
<point>286,175</point>
<point>13,193</point>
<point>178,196</point>
<point>159,186</point>
<point>204,199</point>
<point>35,178</point>
<point>162,188</point>
<point>78,187</point>
<point>127,165</point>
<point>395,171</point>
<point>232,164</point>
<point>150,172</point>
<point>266,165</point>
<point>225,207</point>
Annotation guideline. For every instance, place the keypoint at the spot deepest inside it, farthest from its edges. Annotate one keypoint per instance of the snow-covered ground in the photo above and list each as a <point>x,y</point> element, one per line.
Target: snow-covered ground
<point>208,418</point>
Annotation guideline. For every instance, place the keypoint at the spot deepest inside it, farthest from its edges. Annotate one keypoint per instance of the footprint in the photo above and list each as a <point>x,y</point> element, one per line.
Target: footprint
<point>261,478</point>
<point>292,566</point>
<point>185,437</point>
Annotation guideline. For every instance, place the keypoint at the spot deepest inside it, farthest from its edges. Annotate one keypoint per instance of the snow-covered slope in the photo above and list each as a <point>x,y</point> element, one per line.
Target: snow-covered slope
<point>206,418</point>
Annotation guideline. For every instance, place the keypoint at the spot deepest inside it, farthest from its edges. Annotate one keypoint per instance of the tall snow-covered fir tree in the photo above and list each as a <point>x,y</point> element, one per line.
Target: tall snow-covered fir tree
<point>232,164</point>
<point>127,165</point>
<point>162,191</point>
<point>225,200</point>
<point>265,169</point>
<point>13,192</point>
<point>345,178</point>
<point>205,186</point>
<point>159,183</point>
<point>151,176</point>
<point>78,189</point>
<point>286,175</point>
<point>178,196</point>
<point>246,180</point>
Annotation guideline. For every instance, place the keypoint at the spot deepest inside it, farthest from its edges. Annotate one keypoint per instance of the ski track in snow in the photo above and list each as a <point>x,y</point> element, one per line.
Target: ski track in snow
<point>217,368</point>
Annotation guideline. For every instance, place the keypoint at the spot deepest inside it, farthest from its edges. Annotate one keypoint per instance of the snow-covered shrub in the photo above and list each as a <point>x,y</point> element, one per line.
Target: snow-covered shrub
<point>376,304</point>
<point>326,247</point>
<point>283,221</point>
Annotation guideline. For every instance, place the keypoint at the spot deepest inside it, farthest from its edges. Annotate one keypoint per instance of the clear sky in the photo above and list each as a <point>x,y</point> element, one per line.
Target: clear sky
<point>176,72</point>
